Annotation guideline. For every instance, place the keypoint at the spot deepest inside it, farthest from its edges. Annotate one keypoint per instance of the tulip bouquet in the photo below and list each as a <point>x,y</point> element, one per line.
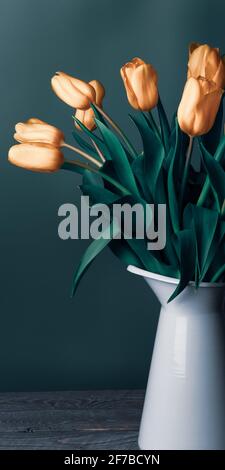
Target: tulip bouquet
<point>163,172</point>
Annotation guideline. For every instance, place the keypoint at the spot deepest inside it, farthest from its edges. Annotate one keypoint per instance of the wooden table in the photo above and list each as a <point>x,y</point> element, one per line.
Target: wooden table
<point>71,420</point>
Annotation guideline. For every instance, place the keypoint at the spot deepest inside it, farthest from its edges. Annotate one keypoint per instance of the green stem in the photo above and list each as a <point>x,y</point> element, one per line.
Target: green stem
<point>186,171</point>
<point>83,154</point>
<point>164,124</point>
<point>218,274</point>
<point>119,131</point>
<point>120,187</point>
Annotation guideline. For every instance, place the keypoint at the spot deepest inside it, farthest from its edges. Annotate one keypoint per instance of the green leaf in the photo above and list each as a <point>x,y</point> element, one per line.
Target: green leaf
<point>212,138</point>
<point>84,145</point>
<point>153,152</point>
<point>172,177</point>
<point>94,137</point>
<point>81,167</point>
<point>215,251</point>
<point>219,274</point>
<point>93,250</point>
<point>187,255</point>
<point>119,157</point>
<point>98,115</point>
<point>216,176</point>
<point>150,262</point>
<point>220,151</point>
<point>123,251</point>
<point>164,124</point>
<point>139,172</point>
<point>92,178</point>
<point>99,194</point>
<point>205,223</point>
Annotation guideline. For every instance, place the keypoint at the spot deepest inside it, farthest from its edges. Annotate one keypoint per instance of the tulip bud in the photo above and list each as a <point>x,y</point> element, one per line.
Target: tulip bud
<point>37,131</point>
<point>87,116</point>
<point>140,81</point>
<point>199,106</point>
<point>36,157</point>
<point>74,92</point>
<point>205,61</point>
<point>203,91</point>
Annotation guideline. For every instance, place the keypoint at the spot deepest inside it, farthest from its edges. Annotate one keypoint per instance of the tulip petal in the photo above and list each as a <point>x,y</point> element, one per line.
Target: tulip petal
<point>72,91</point>
<point>99,91</point>
<point>144,85</point>
<point>198,107</point>
<point>126,74</point>
<point>86,117</point>
<point>36,157</point>
<point>38,131</point>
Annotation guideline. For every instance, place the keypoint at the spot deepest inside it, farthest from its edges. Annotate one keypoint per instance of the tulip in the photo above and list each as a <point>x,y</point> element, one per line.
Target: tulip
<point>140,81</point>
<point>205,61</point>
<point>37,131</point>
<point>87,116</point>
<point>36,157</point>
<point>74,92</point>
<point>199,106</point>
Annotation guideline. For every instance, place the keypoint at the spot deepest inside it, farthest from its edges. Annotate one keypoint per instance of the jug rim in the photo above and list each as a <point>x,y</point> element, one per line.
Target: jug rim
<point>159,277</point>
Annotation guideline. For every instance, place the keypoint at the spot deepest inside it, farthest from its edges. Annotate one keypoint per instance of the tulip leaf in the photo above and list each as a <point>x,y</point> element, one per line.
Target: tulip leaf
<point>150,262</point>
<point>161,198</point>
<point>211,139</point>
<point>84,144</point>
<point>214,249</point>
<point>81,167</point>
<point>172,177</point>
<point>206,240</point>
<point>216,176</point>
<point>208,219</point>
<point>124,252</point>
<point>76,168</point>
<point>94,137</point>
<point>120,161</point>
<point>94,249</point>
<point>98,115</point>
<point>164,124</point>
<point>219,274</point>
<point>99,195</point>
<point>154,153</point>
<point>187,256</point>
<point>220,151</point>
<point>151,123</point>
<point>139,172</point>
<point>92,178</point>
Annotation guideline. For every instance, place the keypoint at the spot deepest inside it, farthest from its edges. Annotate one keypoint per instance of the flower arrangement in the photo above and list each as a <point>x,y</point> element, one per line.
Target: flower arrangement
<point>162,173</point>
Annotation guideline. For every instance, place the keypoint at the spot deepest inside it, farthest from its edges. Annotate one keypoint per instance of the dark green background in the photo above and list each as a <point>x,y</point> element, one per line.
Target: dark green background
<point>104,337</point>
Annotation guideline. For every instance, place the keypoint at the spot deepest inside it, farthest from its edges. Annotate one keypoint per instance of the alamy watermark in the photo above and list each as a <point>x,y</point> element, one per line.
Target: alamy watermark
<point>114,222</point>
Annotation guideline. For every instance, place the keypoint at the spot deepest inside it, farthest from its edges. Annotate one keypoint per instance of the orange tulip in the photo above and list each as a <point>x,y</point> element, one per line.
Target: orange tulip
<point>203,90</point>
<point>140,81</point>
<point>74,92</point>
<point>87,116</point>
<point>37,131</point>
<point>205,61</point>
<point>36,157</point>
<point>199,106</point>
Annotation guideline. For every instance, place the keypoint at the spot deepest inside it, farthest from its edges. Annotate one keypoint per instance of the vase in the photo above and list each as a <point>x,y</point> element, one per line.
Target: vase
<point>184,407</point>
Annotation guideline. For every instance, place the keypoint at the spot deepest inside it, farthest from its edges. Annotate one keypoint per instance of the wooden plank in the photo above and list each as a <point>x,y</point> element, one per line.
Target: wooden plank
<point>111,440</point>
<point>69,420</point>
<point>63,400</point>
<point>106,419</point>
